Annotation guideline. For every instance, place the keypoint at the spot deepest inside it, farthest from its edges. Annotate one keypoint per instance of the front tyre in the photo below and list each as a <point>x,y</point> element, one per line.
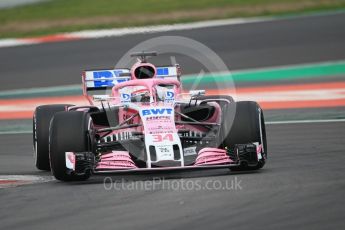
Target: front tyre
<point>244,123</point>
<point>41,120</point>
<point>69,132</point>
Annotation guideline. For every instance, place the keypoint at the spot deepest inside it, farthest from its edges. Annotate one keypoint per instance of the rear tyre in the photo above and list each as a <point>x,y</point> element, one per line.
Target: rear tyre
<point>69,132</point>
<point>41,120</point>
<point>244,123</point>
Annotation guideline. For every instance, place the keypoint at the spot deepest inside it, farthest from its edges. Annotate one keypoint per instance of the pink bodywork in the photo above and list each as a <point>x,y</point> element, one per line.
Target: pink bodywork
<point>120,160</point>
<point>139,64</point>
<point>211,156</point>
<point>149,84</point>
<point>116,160</point>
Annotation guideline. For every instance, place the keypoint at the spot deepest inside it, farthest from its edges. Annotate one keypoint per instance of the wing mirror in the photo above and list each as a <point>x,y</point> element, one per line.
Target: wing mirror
<point>101,97</point>
<point>194,93</point>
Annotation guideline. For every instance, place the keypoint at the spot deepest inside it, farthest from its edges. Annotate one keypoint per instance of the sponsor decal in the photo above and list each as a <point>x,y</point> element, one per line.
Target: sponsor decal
<point>125,97</point>
<point>164,152</point>
<point>158,120</point>
<point>105,78</point>
<point>169,96</point>
<point>189,151</point>
<point>155,118</point>
<point>163,71</point>
<point>156,111</point>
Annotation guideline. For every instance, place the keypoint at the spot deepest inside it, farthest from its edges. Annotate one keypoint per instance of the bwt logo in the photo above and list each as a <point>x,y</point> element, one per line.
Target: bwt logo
<point>125,97</point>
<point>146,112</point>
<point>169,95</point>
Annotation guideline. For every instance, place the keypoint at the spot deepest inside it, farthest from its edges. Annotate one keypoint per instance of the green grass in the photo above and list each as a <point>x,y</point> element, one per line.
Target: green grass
<point>69,15</point>
<point>58,9</point>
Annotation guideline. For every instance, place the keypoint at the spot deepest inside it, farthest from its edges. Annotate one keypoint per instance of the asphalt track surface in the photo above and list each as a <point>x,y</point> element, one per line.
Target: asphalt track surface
<point>301,187</point>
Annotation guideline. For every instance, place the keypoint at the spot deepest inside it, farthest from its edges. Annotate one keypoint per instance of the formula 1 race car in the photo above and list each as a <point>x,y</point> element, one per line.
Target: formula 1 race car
<point>146,123</point>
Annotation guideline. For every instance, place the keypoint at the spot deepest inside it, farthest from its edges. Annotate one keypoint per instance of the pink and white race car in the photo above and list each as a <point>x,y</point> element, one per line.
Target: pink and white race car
<point>139,120</point>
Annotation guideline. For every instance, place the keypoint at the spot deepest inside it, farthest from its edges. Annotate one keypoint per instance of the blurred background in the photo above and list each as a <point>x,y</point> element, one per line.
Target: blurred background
<point>25,18</point>
<point>287,54</point>
<point>284,54</point>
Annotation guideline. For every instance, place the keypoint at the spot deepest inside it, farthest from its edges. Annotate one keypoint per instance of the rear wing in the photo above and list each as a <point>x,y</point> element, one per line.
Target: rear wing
<point>99,81</point>
<point>103,79</point>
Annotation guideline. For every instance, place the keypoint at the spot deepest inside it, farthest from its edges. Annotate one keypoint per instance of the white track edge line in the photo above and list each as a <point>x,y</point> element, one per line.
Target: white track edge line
<point>15,132</point>
<point>304,121</point>
<point>116,32</point>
